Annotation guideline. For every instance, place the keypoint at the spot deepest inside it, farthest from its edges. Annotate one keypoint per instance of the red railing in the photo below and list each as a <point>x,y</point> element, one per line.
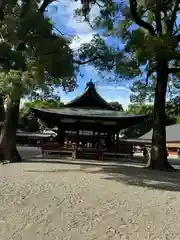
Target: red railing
<point>55,146</point>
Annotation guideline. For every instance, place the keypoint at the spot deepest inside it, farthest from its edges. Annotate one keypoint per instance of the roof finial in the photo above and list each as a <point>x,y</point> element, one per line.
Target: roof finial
<point>90,84</point>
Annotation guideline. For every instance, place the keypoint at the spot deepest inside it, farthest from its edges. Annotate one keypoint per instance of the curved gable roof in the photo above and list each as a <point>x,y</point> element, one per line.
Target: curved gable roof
<point>90,99</point>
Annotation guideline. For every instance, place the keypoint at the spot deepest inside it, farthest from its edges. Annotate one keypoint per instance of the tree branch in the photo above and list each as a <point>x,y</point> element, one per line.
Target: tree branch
<point>2,5</point>
<point>42,8</point>
<point>158,19</point>
<point>112,62</point>
<point>44,5</point>
<point>149,73</point>
<point>137,18</point>
<point>178,37</point>
<point>85,62</point>
<point>173,16</point>
<point>174,70</point>
<point>25,8</point>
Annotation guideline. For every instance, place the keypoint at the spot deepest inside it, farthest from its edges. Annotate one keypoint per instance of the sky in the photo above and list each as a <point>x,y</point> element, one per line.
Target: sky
<point>65,21</point>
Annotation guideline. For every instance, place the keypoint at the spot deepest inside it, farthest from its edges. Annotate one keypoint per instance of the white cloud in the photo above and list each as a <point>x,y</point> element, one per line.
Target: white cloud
<point>114,88</point>
<point>65,20</point>
<point>81,39</point>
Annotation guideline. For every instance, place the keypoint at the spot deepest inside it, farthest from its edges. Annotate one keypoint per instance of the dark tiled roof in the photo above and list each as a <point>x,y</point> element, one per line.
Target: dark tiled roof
<point>90,98</point>
<point>172,133</point>
<point>33,135</point>
<point>78,112</point>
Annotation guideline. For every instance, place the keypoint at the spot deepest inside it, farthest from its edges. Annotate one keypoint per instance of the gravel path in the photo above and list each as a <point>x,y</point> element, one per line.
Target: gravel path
<point>46,201</point>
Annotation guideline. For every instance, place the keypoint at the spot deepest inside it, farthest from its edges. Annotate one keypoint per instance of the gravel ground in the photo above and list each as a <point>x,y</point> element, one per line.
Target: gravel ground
<point>87,201</point>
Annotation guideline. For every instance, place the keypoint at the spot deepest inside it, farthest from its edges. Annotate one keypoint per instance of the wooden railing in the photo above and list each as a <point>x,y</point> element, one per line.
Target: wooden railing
<point>55,147</point>
<point>83,152</point>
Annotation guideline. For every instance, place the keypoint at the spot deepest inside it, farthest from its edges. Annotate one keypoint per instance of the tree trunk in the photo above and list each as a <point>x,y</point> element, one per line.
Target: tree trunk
<point>2,111</point>
<point>158,159</point>
<point>8,132</point>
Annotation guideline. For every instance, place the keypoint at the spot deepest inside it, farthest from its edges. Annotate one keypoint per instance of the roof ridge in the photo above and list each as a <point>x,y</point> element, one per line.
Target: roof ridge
<point>90,88</point>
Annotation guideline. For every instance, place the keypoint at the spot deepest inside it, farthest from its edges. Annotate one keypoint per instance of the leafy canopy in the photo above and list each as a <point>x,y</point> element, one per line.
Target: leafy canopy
<point>28,121</point>
<point>32,57</point>
<point>147,31</point>
<point>172,117</point>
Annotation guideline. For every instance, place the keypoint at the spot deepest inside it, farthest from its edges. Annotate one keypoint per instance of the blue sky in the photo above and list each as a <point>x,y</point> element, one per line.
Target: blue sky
<point>64,20</point>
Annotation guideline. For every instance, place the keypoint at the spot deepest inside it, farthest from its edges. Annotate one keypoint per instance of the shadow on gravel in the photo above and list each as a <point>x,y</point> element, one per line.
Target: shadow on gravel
<point>135,176</point>
<point>89,163</point>
<point>126,173</point>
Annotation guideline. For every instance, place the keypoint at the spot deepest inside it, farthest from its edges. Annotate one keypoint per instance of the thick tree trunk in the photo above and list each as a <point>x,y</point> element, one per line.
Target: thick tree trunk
<point>2,111</point>
<point>8,132</point>
<point>158,159</point>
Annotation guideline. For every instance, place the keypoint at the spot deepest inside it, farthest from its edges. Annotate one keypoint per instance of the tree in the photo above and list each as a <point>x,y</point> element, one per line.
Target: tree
<point>32,58</point>
<point>172,117</point>
<point>140,129</point>
<point>116,105</point>
<point>142,95</point>
<point>173,110</point>
<point>28,121</point>
<point>150,36</point>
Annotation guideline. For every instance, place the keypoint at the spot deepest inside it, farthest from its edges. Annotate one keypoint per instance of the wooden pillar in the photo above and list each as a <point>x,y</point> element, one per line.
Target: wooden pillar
<point>113,138</point>
<point>117,142</point>
<point>58,135</point>
<point>98,136</point>
<point>61,135</point>
<point>77,137</point>
<point>108,140</point>
<point>111,141</point>
<point>93,140</point>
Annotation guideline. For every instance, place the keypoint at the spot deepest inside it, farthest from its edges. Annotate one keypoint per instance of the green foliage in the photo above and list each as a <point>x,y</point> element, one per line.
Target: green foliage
<point>172,117</point>
<point>145,37</point>
<point>140,109</point>
<point>32,57</point>
<point>103,57</point>
<point>49,103</point>
<point>173,110</point>
<point>142,93</point>
<point>140,129</point>
<point>27,121</point>
<point>116,105</point>
<point>106,58</point>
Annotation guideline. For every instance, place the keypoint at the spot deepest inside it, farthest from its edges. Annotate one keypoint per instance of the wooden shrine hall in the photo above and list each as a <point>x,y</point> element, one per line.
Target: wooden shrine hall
<point>88,113</point>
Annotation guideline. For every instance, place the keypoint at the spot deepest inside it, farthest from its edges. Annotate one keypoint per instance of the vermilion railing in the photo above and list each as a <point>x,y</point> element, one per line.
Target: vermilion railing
<point>52,146</point>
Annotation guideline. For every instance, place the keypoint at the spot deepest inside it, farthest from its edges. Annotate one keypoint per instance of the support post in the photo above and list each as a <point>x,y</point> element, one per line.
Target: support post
<point>77,138</point>
<point>113,139</point>
<point>61,135</point>
<point>98,136</point>
<point>117,142</point>
<point>108,140</point>
<point>93,140</point>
